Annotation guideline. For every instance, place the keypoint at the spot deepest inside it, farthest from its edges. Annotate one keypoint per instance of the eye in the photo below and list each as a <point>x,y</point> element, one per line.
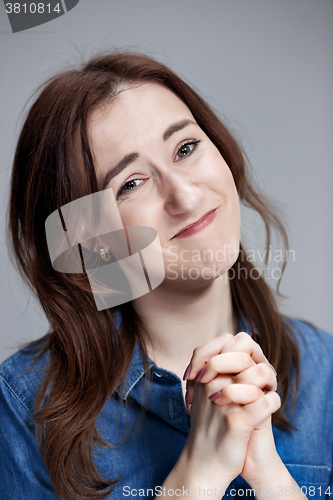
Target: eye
<point>129,186</point>
<point>186,149</point>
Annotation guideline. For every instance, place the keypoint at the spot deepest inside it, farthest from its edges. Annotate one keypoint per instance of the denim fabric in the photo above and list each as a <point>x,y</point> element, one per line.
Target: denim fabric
<point>145,458</point>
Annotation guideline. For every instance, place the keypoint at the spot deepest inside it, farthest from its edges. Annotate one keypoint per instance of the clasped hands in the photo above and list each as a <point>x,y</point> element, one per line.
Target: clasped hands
<point>231,396</point>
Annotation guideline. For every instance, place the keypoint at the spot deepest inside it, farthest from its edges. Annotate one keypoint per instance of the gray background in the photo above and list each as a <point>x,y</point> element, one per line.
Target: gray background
<point>265,65</point>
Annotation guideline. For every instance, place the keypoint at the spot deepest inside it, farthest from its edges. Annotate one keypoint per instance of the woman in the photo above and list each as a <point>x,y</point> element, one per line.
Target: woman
<point>100,398</point>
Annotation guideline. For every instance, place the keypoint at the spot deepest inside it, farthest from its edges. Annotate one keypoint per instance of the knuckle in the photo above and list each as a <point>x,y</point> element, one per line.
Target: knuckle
<point>245,358</point>
<point>263,370</point>
<point>226,336</point>
<point>272,402</point>
<point>196,352</point>
<point>212,364</point>
<point>256,391</point>
<point>277,400</point>
<point>266,404</point>
<point>243,336</point>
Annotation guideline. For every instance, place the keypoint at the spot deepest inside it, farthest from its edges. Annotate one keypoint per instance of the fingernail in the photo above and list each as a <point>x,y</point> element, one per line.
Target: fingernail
<point>187,372</point>
<point>186,399</point>
<point>199,375</point>
<point>215,395</point>
<point>273,369</point>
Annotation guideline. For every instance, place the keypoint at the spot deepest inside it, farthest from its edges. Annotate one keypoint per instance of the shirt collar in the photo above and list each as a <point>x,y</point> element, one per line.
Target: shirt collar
<point>135,373</point>
<point>136,368</point>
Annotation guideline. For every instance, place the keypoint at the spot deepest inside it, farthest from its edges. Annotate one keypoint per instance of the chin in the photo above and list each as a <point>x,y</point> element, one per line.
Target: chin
<point>202,266</point>
<point>222,253</point>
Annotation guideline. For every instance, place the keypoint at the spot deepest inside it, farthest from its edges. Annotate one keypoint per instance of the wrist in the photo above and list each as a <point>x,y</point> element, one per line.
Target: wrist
<point>275,482</point>
<point>200,475</point>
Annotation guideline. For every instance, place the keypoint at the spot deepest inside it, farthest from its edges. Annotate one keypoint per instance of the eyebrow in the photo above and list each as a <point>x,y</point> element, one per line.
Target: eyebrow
<point>175,127</point>
<point>118,168</point>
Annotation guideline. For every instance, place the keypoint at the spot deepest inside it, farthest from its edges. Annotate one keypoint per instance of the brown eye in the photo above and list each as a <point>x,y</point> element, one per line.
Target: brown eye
<point>130,186</point>
<point>186,149</point>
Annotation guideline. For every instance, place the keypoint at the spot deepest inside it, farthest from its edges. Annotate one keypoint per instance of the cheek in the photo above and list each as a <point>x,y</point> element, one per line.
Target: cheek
<point>137,215</point>
<point>220,174</point>
<point>221,181</point>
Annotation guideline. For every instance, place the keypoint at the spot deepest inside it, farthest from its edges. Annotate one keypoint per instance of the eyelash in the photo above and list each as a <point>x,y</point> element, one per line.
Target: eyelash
<point>186,143</point>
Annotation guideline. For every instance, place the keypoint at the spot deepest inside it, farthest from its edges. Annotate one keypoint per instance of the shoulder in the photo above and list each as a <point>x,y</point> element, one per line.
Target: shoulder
<point>315,356</point>
<point>23,473</point>
<point>22,374</point>
<point>311,339</point>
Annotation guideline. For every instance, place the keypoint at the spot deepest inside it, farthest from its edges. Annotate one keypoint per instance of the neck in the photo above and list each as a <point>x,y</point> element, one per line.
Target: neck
<point>180,320</point>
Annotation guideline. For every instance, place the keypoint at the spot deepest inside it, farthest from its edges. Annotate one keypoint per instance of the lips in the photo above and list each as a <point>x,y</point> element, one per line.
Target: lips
<point>197,226</point>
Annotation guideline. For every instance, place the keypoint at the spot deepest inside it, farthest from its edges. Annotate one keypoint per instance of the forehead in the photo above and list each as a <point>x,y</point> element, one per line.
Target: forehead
<point>137,114</point>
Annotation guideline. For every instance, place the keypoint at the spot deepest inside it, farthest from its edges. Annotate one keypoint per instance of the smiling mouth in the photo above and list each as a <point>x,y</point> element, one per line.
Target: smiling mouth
<point>197,226</point>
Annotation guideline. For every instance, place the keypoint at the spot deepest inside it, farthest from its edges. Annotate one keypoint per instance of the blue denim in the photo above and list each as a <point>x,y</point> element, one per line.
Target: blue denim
<point>145,459</point>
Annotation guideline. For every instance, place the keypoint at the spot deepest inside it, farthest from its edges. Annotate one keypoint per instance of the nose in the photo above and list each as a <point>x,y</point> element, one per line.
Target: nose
<point>181,194</point>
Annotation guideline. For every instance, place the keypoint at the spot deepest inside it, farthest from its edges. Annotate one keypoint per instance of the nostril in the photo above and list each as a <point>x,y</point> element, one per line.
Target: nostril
<point>182,204</point>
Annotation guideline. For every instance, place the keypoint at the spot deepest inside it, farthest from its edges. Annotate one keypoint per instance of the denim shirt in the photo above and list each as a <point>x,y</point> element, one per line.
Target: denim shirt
<point>145,458</point>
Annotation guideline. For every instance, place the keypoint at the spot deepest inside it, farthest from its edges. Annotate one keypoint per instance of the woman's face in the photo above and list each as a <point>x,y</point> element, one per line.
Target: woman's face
<point>168,175</point>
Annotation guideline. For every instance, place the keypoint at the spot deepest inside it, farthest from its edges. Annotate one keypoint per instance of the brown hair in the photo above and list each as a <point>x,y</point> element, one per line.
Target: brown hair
<point>89,357</point>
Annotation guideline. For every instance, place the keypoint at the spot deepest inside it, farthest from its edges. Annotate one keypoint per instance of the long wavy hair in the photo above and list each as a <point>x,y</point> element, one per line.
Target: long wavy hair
<point>89,358</point>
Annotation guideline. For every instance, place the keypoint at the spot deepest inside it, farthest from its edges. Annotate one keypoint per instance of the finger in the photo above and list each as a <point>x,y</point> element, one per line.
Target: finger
<point>265,406</point>
<point>217,384</point>
<point>242,394</point>
<point>242,342</point>
<point>260,375</point>
<point>204,353</point>
<point>227,363</point>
